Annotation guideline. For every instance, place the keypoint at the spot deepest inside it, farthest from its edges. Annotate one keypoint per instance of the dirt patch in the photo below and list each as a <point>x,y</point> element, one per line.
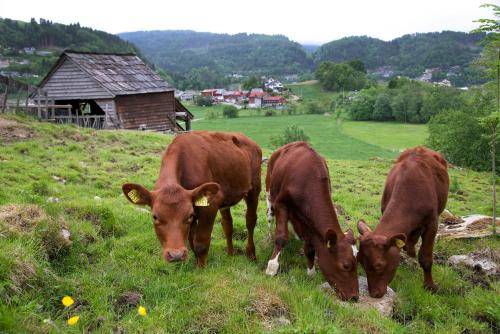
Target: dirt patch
<point>269,308</point>
<point>20,217</point>
<point>127,300</point>
<point>473,226</point>
<point>447,218</point>
<point>21,276</point>
<point>11,131</point>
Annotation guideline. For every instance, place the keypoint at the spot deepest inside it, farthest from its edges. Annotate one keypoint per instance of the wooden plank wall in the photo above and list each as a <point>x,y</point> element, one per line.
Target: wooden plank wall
<point>155,111</point>
<point>69,82</point>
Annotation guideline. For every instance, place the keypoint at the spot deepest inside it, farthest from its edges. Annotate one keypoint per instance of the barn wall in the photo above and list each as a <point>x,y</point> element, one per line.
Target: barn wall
<point>69,82</point>
<point>154,111</point>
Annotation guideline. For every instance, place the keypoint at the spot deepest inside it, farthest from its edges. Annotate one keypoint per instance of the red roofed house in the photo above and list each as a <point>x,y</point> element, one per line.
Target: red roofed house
<point>273,101</point>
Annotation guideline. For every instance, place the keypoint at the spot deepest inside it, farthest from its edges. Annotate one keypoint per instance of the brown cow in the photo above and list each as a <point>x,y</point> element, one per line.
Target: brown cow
<point>201,173</point>
<point>416,191</point>
<point>298,189</point>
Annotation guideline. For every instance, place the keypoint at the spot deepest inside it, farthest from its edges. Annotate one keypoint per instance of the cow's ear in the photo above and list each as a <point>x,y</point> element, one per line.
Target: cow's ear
<point>137,194</point>
<point>399,240</point>
<point>330,238</point>
<point>362,227</point>
<point>349,237</point>
<point>205,194</point>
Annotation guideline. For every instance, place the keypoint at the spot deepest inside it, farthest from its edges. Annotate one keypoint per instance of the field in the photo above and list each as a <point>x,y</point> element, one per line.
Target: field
<point>336,139</point>
<point>73,176</point>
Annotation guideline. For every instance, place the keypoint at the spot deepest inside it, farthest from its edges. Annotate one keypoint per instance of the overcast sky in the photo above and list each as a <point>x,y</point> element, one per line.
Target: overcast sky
<point>310,21</point>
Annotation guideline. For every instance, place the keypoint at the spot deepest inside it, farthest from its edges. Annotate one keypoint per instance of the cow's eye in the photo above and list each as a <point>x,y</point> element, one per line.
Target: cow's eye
<point>155,218</point>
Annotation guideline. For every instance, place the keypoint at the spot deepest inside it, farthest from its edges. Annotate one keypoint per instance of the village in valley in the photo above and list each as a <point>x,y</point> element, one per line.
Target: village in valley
<point>270,95</point>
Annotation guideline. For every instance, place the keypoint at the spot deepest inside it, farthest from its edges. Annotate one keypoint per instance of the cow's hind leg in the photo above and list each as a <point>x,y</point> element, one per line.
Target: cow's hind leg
<point>252,200</point>
<point>425,254</point>
<point>280,239</point>
<point>203,234</point>
<point>227,226</point>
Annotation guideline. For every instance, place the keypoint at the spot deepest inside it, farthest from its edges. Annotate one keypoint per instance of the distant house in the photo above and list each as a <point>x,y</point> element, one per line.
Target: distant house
<point>187,95</point>
<point>114,91</point>
<point>29,50</point>
<point>208,92</point>
<point>273,101</point>
<point>255,98</point>
<point>234,97</point>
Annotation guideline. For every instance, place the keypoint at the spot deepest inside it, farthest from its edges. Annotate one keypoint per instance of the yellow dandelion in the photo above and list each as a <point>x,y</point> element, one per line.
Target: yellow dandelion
<point>67,301</point>
<point>142,311</point>
<point>73,320</point>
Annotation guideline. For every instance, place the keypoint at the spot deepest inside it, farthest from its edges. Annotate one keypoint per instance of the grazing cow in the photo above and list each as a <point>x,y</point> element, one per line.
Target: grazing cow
<point>201,173</point>
<point>298,189</point>
<point>415,194</point>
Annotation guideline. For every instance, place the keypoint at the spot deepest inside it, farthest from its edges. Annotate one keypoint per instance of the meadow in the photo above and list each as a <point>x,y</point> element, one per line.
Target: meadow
<point>70,178</point>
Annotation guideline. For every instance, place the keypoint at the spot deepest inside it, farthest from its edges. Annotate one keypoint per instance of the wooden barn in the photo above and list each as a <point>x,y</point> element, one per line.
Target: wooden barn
<point>111,91</point>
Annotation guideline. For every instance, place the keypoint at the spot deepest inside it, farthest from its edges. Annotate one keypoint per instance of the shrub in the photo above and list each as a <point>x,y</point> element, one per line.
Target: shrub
<point>459,136</point>
<point>290,134</point>
<point>230,112</point>
<point>314,108</point>
<point>270,112</point>
<point>211,114</point>
<point>204,101</point>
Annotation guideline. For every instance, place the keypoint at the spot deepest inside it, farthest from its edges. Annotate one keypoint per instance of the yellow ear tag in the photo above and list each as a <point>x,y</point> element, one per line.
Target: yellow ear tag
<point>134,195</point>
<point>328,245</point>
<point>400,243</point>
<point>202,201</point>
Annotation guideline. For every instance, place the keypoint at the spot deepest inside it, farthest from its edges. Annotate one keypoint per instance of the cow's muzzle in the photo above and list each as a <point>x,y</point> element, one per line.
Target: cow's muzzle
<point>175,255</point>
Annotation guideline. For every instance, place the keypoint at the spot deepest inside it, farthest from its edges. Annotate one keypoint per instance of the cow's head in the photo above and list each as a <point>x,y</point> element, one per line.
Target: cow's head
<point>174,210</point>
<point>338,264</point>
<point>379,256</point>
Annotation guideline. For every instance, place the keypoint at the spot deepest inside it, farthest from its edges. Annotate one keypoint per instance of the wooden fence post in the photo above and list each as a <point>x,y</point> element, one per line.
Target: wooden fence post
<point>4,104</point>
<point>39,107</point>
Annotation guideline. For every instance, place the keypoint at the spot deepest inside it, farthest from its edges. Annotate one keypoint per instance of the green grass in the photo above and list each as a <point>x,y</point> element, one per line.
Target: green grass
<point>114,249</point>
<point>310,90</point>
<point>333,139</point>
<point>391,136</point>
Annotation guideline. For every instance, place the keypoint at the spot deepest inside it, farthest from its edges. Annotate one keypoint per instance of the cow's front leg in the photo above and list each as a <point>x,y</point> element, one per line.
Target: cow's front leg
<point>280,239</point>
<point>227,226</point>
<point>203,234</point>
<point>309,252</point>
<point>425,254</point>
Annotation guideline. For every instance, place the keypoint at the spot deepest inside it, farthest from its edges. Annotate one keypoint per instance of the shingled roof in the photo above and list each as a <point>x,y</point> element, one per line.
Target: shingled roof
<point>117,74</point>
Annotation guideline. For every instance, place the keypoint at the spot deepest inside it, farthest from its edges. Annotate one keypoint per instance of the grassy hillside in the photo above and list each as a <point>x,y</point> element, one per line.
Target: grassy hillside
<point>114,253</point>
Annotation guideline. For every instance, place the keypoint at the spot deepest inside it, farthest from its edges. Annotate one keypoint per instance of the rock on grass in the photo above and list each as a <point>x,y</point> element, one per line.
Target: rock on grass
<point>384,305</point>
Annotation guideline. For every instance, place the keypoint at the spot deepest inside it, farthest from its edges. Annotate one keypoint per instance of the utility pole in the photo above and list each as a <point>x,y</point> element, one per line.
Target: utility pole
<point>493,149</point>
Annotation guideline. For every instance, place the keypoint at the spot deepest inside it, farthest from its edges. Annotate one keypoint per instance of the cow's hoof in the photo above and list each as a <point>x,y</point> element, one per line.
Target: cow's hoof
<point>311,271</point>
<point>431,287</point>
<point>272,267</point>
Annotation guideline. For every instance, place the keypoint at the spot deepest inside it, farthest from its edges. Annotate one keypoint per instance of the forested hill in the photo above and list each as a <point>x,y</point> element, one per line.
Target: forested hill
<point>46,34</point>
<point>44,41</point>
<point>409,54</point>
<point>179,51</point>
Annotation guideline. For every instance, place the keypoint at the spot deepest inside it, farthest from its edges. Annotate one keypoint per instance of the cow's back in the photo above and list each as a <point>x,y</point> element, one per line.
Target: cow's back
<point>418,181</point>
<point>230,159</point>
<point>299,174</point>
